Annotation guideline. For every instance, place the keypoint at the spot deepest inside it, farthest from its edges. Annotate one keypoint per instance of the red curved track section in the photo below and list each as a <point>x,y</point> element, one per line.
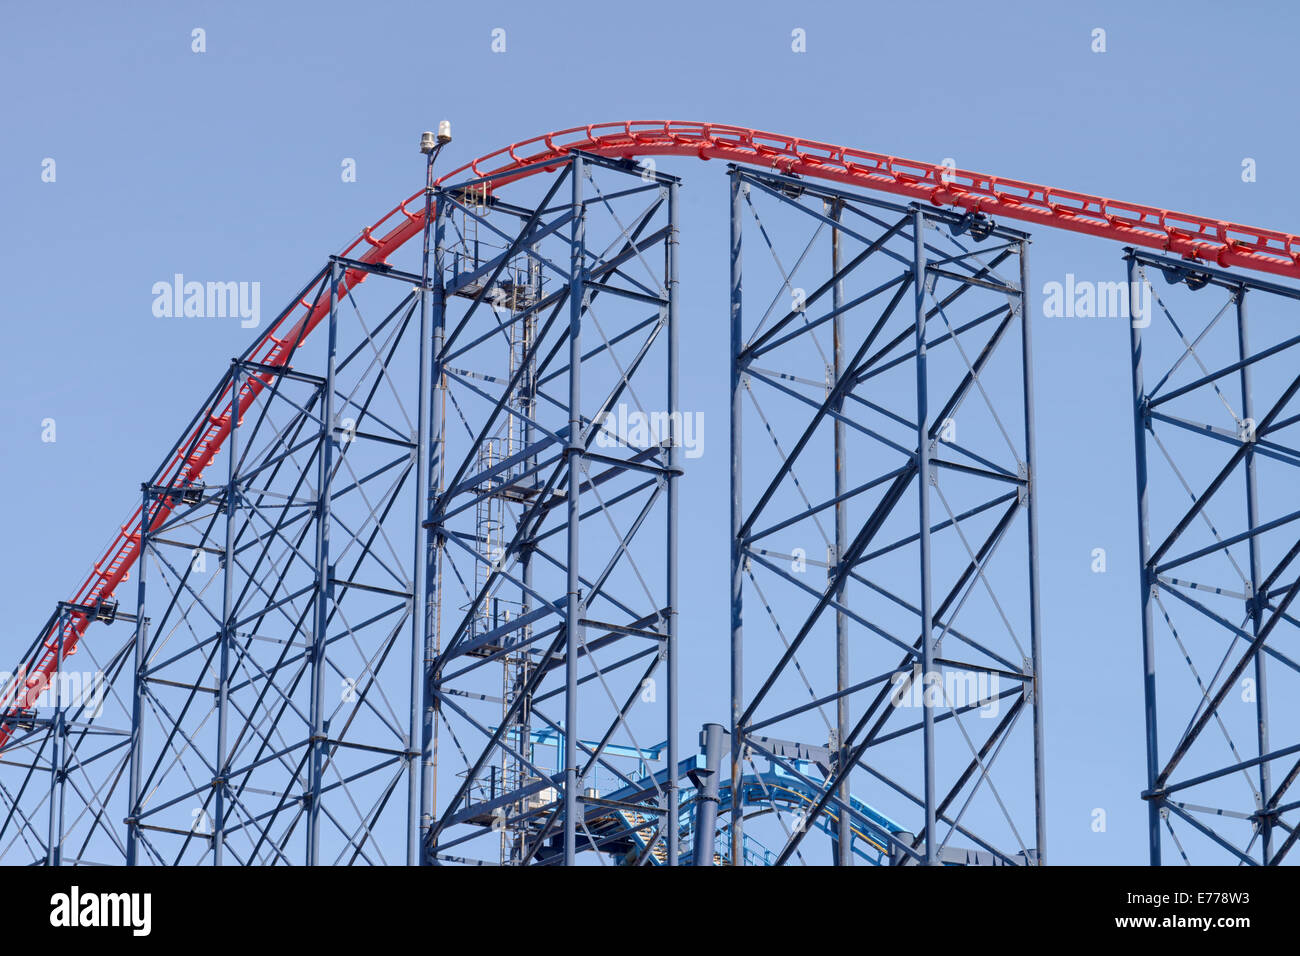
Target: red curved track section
<point>1193,237</point>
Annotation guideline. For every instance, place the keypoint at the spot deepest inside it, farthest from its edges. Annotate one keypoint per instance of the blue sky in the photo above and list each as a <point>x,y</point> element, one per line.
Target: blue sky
<point>227,165</point>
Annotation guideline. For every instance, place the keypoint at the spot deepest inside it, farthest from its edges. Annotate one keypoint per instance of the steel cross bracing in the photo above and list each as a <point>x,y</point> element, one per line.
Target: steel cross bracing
<point>1191,236</point>
<point>1215,415</point>
<point>215,700</point>
<point>552,556</point>
<point>883,551</point>
<point>260,711</point>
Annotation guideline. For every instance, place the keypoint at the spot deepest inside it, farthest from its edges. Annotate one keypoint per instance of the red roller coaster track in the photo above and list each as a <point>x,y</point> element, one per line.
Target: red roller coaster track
<point>1194,237</point>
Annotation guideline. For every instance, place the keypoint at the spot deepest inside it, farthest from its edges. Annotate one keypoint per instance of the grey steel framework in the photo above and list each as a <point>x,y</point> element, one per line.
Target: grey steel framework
<point>1214,385</point>
<point>883,555</point>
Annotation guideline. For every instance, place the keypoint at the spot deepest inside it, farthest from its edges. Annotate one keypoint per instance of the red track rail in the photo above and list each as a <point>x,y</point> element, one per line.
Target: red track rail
<point>1193,237</point>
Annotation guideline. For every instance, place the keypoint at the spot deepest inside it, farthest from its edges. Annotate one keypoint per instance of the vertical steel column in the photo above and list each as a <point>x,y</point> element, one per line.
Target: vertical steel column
<point>1144,552</point>
<point>923,532</point>
<point>574,610</point>
<point>1257,601</point>
<point>324,583</point>
<point>436,452</point>
<point>844,839</point>
<point>419,594</point>
<point>674,472</point>
<point>737,521</point>
<point>227,615</point>
<point>137,691</point>
<point>1031,514</point>
<point>528,389</point>
<point>58,747</point>
<point>706,812</point>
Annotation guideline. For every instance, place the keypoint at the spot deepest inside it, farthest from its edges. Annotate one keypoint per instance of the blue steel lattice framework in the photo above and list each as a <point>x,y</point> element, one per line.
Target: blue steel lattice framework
<point>423,605</point>
<point>258,712</point>
<point>273,695</point>
<point>492,435</point>
<point>457,447</point>
<point>551,563</point>
<point>885,627</point>
<point>1214,387</point>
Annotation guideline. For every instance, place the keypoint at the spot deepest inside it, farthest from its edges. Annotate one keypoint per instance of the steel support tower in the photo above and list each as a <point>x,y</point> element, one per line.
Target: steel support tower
<point>448,440</point>
<point>258,710</point>
<point>552,526</point>
<point>406,588</point>
<point>883,555</point>
<point>1214,386</point>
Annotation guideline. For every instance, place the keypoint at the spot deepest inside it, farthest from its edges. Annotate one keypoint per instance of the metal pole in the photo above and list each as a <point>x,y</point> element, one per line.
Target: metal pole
<point>674,472</point>
<point>419,593</point>
<point>227,617</point>
<point>843,842</point>
<point>324,585</point>
<point>737,521</point>
<point>1031,514</point>
<point>528,406</point>
<point>54,841</point>
<point>1144,551</point>
<point>574,610</point>
<point>1257,602</point>
<point>137,692</point>
<point>923,496</point>
<point>433,544</point>
<point>706,813</point>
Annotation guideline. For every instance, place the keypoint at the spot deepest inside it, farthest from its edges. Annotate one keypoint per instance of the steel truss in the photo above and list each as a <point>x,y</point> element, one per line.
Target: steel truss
<point>552,528</point>
<point>884,547</point>
<point>1214,386</point>
<point>260,710</point>
<point>407,589</point>
<point>276,699</point>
